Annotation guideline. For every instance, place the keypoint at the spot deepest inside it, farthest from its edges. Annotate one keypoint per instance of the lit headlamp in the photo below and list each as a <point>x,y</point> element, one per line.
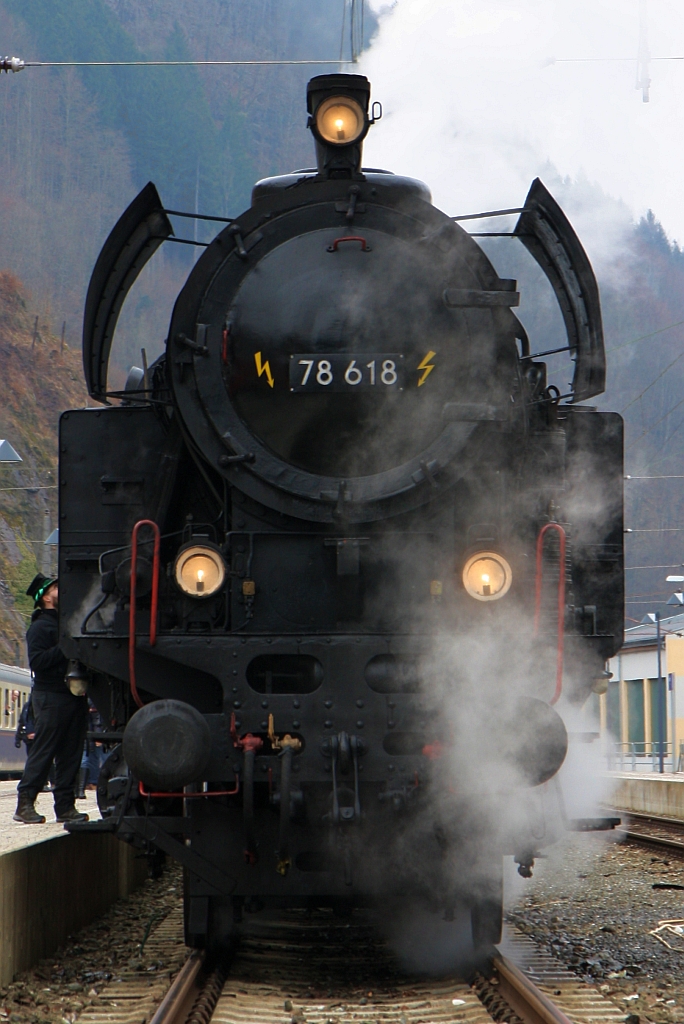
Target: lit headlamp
<point>199,570</point>
<point>487,576</point>
<point>340,120</point>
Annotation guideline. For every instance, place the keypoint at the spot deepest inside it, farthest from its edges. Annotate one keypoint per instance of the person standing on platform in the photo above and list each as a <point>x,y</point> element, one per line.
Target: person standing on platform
<point>61,718</point>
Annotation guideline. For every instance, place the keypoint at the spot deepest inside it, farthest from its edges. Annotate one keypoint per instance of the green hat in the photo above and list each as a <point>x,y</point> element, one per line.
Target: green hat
<point>38,585</point>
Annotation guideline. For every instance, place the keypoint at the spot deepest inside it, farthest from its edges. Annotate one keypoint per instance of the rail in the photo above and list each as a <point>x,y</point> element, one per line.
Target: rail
<point>290,951</point>
<point>654,830</point>
<point>523,996</point>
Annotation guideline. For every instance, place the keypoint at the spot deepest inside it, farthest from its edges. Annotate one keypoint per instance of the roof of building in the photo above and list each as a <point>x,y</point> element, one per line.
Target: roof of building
<point>645,634</point>
<point>14,676</point>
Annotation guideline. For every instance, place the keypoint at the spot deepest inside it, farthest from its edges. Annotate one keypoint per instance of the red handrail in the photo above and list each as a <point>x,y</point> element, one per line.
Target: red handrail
<point>561,599</point>
<point>365,247</point>
<point>189,796</point>
<point>154,602</point>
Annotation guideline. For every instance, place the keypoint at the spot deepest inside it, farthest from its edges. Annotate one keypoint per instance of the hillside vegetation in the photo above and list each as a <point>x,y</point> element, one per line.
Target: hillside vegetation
<point>37,382</point>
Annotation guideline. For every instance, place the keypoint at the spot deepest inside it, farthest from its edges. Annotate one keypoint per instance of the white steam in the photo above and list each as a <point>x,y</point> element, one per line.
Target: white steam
<point>473,107</point>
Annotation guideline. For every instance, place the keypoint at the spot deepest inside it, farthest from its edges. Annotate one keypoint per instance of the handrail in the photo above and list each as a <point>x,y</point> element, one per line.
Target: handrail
<point>561,599</point>
<point>154,600</point>
<point>190,796</point>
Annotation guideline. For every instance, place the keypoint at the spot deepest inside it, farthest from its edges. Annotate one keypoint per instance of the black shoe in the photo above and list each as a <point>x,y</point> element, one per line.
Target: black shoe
<point>71,815</point>
<point>27,813</point>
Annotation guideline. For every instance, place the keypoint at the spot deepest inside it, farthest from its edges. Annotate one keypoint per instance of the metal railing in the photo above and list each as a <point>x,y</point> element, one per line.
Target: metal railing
<point>643,756</point>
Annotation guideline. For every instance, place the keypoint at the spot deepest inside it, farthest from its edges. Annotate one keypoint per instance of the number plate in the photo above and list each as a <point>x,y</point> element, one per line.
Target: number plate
<point>381,371</point>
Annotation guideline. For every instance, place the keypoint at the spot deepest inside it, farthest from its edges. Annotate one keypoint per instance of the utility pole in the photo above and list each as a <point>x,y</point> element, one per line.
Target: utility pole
<point>661,700</point>
<point>643,74</point>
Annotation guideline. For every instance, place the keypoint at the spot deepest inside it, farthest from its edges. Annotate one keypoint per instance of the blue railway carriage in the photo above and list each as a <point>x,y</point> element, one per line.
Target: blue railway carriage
<point>15,689</point>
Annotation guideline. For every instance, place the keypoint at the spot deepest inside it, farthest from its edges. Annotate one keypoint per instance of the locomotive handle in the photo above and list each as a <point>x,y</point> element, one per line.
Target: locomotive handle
<point>284,824</point>
<point>154,600</point>
<point>561,599</point>
<point>365,247</point>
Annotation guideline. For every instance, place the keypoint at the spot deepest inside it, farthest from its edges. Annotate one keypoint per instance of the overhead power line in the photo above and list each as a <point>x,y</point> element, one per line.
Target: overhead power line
<point>654,425</point>
<point>645,337</point>
<point>654,381</point>
<point>591,60</point>
<point>674,565</point>
<point>16,64</point>
<point>660,529</point>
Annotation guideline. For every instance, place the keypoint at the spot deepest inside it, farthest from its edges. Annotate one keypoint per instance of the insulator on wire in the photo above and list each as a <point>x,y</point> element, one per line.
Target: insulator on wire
<point>11,64</point>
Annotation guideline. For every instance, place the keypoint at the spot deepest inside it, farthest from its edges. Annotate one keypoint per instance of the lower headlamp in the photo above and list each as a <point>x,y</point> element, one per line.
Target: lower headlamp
<point>487,576</point>
<point>199,570</point>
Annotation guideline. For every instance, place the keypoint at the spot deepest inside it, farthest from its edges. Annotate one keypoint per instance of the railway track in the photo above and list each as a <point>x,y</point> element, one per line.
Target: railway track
<point>300,968</point>
<point>654,831</point>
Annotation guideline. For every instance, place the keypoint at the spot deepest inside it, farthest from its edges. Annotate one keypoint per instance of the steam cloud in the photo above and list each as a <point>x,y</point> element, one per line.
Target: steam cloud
<point>474,108</point>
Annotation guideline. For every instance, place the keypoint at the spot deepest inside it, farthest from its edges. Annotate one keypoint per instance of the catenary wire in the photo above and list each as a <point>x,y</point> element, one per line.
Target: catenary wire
<point>645,337</point>
<point>172,63</point>
<point>654,381</point>
<point>645,433</point>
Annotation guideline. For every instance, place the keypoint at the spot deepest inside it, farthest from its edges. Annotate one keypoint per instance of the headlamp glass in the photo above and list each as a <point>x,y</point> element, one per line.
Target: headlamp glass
<point>199,571</point>
<point>340,120</point>
<point>487,576</point>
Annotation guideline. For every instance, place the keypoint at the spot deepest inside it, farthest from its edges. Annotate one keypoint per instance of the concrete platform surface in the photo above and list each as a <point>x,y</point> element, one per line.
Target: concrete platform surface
<point>648,794</point>
<point>14,836</point>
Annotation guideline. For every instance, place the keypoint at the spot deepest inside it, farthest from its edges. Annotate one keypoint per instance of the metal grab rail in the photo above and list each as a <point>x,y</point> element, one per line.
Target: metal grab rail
<point>561,599</point>
<point>190,796</point>
<point>154,600</point>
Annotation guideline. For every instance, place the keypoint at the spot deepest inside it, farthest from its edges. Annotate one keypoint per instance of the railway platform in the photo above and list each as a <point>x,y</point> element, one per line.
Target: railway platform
<point>648,793</point>
<point>53,883</point>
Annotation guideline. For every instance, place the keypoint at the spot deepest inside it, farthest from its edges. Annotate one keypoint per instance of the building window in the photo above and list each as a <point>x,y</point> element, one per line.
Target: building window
<point>658,707</point>
<point>636,732</point>
<point>613,710</point>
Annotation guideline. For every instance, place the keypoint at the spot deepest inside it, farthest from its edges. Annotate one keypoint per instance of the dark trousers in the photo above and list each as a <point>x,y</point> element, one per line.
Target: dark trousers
<point>61,724</point>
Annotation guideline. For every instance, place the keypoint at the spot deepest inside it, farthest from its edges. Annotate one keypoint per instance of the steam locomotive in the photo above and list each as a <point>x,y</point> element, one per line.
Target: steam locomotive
<point>330,562</point>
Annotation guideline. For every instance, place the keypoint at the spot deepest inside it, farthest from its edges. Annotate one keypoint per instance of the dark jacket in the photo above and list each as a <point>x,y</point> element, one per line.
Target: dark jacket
<point>46,660</point>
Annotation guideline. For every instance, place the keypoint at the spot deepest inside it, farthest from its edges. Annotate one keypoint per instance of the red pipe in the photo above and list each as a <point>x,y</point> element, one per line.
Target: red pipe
<point>155,600</point>
<point>188,796</point>
<point>561,599</point>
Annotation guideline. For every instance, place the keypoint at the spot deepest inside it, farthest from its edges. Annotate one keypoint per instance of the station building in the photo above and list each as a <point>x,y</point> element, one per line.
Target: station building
<point>637,706</point>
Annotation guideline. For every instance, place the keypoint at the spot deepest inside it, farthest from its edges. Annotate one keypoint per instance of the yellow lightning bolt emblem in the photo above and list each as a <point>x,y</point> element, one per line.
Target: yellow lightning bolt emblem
<point>264,368</point>
<point>426,366</point>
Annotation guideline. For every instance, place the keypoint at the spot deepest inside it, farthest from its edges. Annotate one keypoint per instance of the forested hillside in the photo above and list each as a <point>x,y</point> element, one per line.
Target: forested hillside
<point>39,379</point>
<point>79,143</point>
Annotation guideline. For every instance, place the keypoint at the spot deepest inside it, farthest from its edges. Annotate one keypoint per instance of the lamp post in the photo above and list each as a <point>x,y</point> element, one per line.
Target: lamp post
<point>661,700</point>
<point>51,543</point>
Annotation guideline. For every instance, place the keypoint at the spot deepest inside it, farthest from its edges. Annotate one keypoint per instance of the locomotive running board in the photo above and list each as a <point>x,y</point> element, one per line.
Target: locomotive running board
<point>134,239</point>
<point>547,233</point>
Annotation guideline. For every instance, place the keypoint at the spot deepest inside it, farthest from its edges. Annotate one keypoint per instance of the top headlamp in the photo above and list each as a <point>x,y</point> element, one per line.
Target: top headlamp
<point>340,120</point>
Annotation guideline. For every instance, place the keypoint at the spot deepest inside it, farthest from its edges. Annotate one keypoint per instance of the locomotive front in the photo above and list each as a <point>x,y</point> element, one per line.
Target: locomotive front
<point>300,537</point>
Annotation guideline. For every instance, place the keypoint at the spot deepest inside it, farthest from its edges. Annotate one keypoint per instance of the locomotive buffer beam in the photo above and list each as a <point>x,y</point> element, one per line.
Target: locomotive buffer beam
<point>149,830</point>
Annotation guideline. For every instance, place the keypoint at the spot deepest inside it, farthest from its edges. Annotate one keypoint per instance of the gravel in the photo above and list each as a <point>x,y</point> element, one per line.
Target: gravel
<point>592,904</point>
<point>60,987</point>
